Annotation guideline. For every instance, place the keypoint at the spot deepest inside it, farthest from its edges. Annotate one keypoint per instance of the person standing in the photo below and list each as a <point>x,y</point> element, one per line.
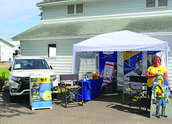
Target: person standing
<point>153,71</point>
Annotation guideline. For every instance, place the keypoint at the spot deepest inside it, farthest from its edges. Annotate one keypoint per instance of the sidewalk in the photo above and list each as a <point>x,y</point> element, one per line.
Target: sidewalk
<point>103,110</point>
<point>5,65</point>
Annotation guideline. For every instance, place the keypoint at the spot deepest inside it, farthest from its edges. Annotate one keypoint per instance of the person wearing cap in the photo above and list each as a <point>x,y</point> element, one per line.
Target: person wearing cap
<point>153,71</point>
<point>159,93</point>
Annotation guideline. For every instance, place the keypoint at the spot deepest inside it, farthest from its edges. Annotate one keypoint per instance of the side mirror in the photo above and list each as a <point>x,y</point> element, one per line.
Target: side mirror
<point>51,67</point>
<point>9,68</point>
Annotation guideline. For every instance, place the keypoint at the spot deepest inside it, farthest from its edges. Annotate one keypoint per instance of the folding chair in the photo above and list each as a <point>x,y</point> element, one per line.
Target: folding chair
<point>70,90</point>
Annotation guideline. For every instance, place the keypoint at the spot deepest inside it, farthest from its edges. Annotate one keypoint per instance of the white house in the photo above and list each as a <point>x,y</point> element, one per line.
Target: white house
<point>6,50</point>
<point>65,22</point>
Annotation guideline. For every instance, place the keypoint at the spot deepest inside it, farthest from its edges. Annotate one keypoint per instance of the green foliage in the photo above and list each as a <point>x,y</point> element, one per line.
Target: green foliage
<point>2,79</point>
<point>4,74</point>
<point>6,71</point>
<point>2,63</point>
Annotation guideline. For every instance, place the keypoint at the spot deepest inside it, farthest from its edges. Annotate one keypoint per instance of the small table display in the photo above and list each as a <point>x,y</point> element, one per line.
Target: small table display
<point>91,89</point>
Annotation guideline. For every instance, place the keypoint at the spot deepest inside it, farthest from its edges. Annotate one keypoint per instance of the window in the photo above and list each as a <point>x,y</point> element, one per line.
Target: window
<point>70,9</point>
<point>79,8</point>
<point>30,64</point>
<point>51,50</point>
<point>150,3</point>
<point>156,3</point>
<point>162,2</point>
<point>75,9</point>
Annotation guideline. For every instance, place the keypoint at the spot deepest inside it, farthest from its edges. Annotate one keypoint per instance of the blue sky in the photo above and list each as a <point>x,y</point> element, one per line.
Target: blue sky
<point>17,16</point>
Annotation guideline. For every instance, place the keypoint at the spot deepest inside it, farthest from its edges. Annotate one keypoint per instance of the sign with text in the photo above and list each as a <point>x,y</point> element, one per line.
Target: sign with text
<point>108,70</point>
<point>40,92</point>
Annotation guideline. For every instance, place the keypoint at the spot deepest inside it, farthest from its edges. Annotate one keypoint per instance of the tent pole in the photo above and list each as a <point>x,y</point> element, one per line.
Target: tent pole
<point>120,72</point>
<point>144,62</point>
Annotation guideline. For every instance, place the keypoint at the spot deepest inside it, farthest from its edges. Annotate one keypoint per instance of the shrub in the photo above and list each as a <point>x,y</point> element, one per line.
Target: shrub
<point>2,79</point>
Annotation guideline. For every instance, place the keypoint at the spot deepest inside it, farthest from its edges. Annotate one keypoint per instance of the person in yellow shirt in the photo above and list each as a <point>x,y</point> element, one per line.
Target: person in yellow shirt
<point>153,71</point>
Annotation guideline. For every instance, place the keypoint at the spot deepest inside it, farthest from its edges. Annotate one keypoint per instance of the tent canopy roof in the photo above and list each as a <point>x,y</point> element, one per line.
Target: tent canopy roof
<point>121,41</point>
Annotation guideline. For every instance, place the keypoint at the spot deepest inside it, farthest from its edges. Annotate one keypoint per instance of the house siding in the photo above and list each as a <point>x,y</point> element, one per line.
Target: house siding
<point>40,48</point>
<point>54,12</point>
<point>99,8</point>
<point>6,52</point>
<point>62,63</point>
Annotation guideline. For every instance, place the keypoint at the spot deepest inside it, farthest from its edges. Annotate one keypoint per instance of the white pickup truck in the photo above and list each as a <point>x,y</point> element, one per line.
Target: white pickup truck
<point>20,71</point>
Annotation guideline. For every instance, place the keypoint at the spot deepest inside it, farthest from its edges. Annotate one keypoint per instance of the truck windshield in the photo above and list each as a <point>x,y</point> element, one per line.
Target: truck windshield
<point>30,64</point>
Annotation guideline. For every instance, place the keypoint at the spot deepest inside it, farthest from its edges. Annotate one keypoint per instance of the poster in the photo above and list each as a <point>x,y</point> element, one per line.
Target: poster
<point>108,70</point>
<point>40,92</point>
<point>133,62</point>
<point>133,70</point>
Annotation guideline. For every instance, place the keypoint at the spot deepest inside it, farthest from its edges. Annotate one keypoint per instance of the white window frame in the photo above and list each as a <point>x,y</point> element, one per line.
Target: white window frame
<point>156,5</point>
<point>75,9</point>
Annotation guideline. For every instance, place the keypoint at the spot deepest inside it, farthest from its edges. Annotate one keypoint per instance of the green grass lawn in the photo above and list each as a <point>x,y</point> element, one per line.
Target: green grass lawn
<point>2,63</point>
<point>6,72</point>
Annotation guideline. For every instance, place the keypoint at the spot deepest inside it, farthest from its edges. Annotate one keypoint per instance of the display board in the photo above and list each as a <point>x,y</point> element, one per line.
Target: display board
<point>161,99</point>
<point>40,92</point>
<point>132,67</point>
<point>108,70</point>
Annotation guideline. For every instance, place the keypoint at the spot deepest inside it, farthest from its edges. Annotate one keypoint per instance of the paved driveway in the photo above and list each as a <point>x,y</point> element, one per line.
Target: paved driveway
<point>5,65</point>
<point>103,110</point>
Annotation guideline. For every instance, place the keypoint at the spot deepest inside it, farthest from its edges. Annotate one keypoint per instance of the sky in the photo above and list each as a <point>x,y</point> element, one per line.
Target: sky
<point>17,16</point>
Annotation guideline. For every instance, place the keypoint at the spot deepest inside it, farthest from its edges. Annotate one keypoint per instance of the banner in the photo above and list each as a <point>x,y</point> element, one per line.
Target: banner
<point>40,92</point>
<point>108,70</point>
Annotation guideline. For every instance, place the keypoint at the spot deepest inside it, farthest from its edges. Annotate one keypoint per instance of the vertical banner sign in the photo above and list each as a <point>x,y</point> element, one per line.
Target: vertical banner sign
<point>40,92</point>
<point>108,70</point>
<point>132,69</point>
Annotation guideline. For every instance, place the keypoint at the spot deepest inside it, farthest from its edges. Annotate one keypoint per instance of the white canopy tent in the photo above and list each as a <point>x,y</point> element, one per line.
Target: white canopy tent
<point>120,41</point>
